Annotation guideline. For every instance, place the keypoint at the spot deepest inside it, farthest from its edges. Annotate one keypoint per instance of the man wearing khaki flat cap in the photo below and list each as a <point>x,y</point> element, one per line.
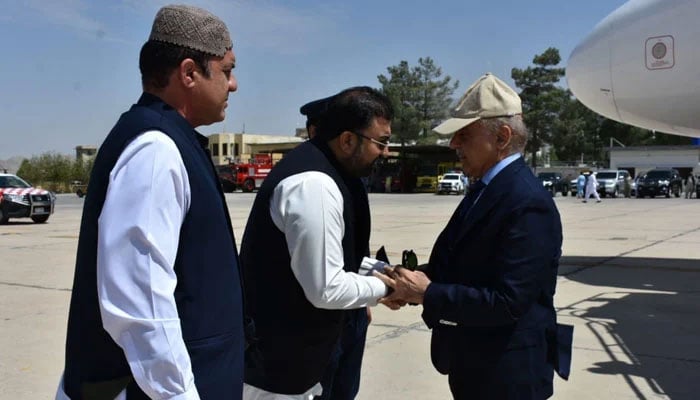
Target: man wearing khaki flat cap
<point>156,308</point>
<point>487,290</point>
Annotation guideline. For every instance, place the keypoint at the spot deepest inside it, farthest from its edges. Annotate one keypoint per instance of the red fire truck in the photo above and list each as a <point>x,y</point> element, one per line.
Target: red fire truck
<point>246,176</point>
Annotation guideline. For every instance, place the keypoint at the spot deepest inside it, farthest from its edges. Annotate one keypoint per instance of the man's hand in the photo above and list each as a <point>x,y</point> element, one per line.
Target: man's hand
<point>409,286</point>
<point>391,301</point>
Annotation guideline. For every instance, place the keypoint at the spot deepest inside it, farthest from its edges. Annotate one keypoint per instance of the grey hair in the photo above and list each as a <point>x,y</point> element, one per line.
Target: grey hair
<point>517,125</point>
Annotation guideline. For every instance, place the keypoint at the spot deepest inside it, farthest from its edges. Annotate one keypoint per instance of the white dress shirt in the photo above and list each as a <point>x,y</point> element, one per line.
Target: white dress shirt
<point>147,199</point>
<point>308,208</point>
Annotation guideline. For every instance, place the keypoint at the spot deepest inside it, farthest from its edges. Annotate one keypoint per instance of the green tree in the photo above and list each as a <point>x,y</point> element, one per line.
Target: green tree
<point>401,86</point>
<point>421,96</point>
<point>574,130</point>
<point>54,171</point>
<point>55,168</point>
<point>27,171</point>
<point>434,94</point>
<point>542,100</point>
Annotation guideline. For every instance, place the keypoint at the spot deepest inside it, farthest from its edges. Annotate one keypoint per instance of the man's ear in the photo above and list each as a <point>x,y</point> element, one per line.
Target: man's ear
<point>346,140</point>
<point>186,71</point>
<point>504,137</point>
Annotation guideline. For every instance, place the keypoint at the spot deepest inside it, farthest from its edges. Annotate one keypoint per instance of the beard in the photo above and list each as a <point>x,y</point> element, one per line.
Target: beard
<point>358,166</point>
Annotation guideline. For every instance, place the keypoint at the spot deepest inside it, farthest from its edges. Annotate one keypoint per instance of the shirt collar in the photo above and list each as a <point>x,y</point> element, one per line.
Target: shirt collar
<point>491,173</point>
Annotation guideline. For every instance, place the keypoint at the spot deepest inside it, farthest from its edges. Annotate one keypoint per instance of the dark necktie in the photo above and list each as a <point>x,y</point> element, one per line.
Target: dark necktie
<point>464,207</point>
<point>473,193</point>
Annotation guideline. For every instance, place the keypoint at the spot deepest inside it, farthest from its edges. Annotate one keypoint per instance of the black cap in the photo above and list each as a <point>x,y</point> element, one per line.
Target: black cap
<point>314,109</point>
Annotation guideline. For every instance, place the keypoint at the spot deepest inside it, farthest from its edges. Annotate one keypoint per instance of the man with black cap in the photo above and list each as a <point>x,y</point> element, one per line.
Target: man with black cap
<point>341,380</point>
<point>306,239</point>
<point>156,308</point>
<point>488,288</point>
<point>313,111</point>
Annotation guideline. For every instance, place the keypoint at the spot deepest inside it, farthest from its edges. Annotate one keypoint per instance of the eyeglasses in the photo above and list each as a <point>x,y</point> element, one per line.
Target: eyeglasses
<point>382,145</point>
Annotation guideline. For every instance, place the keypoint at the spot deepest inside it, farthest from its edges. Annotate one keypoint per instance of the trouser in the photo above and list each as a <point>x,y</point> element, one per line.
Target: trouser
<point>593,192</point>
<point>478,387</point>
<point>342,378</point>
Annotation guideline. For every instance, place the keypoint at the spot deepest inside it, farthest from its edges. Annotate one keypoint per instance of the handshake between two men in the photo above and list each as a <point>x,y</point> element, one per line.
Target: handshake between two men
<point>407,284</point>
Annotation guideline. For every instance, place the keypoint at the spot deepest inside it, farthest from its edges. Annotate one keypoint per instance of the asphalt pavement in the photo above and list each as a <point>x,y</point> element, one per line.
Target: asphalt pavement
<point>629,282</point>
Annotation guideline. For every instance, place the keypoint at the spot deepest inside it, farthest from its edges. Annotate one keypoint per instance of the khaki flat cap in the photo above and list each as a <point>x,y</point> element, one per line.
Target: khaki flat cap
<point>488,97</point>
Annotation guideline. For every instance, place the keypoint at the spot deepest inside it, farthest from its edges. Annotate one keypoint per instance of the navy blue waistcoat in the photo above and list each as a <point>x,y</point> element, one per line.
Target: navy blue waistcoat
<point>294,339</point>
<point>208,293</point>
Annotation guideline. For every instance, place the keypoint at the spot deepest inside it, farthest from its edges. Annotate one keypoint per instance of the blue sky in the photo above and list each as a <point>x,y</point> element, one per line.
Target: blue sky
<point>70,67</point>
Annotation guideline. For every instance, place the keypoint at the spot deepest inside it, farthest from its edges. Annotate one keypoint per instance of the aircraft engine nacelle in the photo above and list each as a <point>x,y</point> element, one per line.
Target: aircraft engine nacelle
<point>641,66</point>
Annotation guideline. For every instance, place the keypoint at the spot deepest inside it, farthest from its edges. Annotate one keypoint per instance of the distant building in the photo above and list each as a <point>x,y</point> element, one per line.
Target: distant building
<point>85,153</point>
<point>302,133</point>
<point>240,147</point>
<point>230,147</point>
<point>639,159</point>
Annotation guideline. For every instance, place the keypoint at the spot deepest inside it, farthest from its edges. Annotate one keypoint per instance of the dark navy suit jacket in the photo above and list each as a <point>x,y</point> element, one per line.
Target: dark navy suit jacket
<point>490,303</point>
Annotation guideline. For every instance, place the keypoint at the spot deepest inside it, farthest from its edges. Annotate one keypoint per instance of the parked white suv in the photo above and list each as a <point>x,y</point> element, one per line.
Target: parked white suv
<point>451,182</point>
<point>611,182</point>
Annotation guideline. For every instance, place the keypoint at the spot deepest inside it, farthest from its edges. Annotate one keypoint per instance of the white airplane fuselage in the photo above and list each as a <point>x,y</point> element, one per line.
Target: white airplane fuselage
<point>641,66</point>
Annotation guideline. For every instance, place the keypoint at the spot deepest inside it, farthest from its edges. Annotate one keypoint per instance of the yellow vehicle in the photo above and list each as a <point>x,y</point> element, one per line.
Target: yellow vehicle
<point>426,178</point>
<point>428,175</point>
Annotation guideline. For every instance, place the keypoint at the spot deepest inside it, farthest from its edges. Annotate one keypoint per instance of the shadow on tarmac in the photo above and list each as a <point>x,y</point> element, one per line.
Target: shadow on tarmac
<point>647,320</point>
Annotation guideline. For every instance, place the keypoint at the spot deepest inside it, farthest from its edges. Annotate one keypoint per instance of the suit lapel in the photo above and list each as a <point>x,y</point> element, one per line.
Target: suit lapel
<point>488,199</point>
<point>498,187</point>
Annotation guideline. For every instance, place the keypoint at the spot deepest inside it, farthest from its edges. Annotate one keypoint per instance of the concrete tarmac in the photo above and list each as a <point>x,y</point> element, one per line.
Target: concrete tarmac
<point>629,282</point>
